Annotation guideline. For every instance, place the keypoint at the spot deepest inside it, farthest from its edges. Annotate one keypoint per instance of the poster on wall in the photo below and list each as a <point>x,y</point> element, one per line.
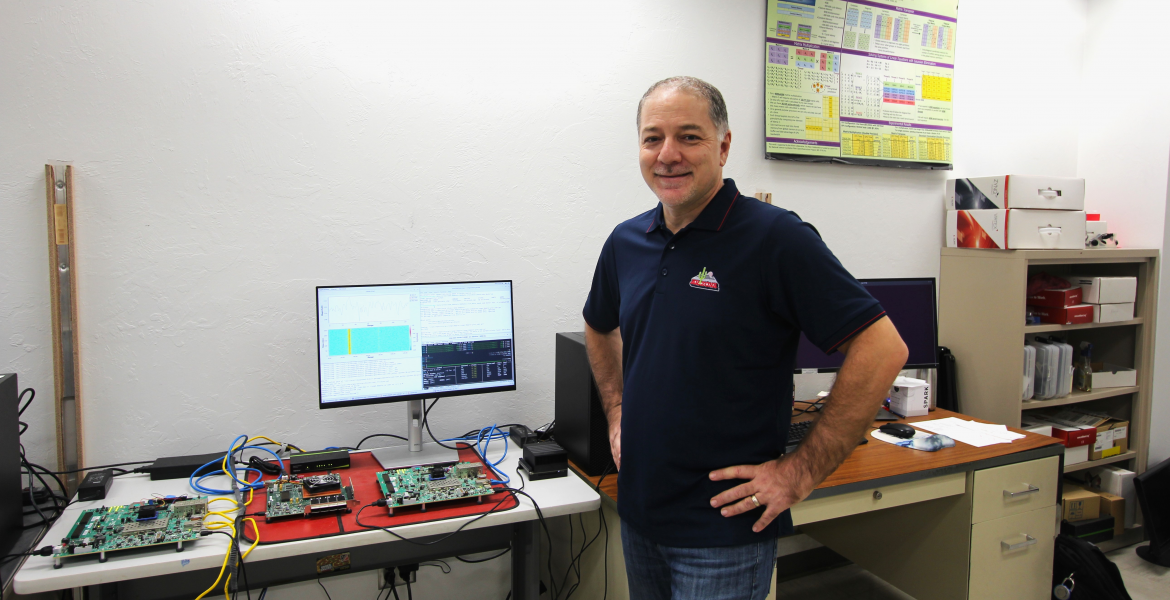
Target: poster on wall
<point>860,82</point>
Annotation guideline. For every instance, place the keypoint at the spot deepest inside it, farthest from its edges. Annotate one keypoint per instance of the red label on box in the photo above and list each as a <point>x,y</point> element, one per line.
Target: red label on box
<point>1076,437</point>
<point>1067,315</point>
<point>1056,298</point>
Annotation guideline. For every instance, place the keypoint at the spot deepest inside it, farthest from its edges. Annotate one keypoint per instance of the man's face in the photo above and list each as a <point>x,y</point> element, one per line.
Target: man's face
<point>681,152</point>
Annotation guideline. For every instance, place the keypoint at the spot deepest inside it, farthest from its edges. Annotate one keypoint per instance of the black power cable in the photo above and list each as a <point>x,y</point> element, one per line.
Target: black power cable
<point>483,560</point>
<point>97,467</point>
<point>389,435</point>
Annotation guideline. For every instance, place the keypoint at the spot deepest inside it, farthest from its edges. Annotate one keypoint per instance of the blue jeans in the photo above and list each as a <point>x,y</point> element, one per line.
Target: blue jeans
<point>658,572</point>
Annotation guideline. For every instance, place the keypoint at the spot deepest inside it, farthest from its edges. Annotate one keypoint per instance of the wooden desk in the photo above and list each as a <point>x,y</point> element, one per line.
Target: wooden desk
<point>937,524</point>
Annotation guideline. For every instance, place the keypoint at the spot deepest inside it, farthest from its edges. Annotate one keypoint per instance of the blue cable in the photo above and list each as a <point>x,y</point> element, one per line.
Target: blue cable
<point>197,484</point>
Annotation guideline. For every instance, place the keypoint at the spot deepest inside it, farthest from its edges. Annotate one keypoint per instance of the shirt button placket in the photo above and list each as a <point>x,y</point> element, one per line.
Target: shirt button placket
<point>664,271</point>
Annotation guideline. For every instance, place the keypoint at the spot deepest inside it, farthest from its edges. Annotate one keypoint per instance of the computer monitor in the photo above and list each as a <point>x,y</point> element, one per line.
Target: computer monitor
<point>910,305</point>
<point>409,342</point>
<point>1153,492</point>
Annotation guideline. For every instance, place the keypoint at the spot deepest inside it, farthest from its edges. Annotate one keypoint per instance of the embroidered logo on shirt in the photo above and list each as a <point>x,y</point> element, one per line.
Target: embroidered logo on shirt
<point>705,280</point>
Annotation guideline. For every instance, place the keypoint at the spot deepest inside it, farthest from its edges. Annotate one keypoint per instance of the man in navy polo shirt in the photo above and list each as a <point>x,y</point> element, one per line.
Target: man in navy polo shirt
<point>692,325</point>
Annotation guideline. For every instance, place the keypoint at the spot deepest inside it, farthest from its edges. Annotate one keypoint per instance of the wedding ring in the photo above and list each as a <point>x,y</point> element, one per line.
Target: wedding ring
<point>754,501</point>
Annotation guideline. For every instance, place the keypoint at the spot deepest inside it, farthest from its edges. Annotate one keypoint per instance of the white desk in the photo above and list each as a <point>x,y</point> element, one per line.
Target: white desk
<point>164,573</point>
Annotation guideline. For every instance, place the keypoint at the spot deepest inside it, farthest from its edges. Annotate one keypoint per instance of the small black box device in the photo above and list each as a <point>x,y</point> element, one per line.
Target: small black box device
<point>181,467</point>
<point>544,460</point>
<point>522,435</point>
<point>95,485</point>
<point>321,460</point>
<point>1091,530</point>
<point>581,429</point>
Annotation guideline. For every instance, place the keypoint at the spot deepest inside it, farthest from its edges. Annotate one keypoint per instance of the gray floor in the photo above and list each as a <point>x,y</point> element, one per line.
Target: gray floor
<point>1143,580</point>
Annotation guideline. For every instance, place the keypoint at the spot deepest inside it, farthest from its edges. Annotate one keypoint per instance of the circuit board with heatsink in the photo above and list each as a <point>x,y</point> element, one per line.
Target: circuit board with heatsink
<point>427,484</point>
<point>295,496</point>
<point>153,522</point>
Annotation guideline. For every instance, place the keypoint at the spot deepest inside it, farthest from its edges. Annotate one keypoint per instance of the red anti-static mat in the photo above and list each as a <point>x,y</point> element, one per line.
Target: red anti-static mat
<point>361,472</point>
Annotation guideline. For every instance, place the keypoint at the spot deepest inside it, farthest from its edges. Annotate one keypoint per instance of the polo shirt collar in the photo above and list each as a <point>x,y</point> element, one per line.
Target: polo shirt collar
<point>713,217</point>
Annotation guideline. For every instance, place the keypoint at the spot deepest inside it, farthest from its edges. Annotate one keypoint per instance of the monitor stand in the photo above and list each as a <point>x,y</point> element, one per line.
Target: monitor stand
<point>416,452</point>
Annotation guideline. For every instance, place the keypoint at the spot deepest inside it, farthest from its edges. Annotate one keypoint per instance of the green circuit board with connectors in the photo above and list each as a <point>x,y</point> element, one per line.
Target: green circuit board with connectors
<point>306,496</point>
<point>427,484</point>
<point>153,522</point>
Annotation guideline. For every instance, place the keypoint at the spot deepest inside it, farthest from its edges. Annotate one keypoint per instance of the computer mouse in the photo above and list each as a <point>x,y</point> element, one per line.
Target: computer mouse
<point>898,430</point>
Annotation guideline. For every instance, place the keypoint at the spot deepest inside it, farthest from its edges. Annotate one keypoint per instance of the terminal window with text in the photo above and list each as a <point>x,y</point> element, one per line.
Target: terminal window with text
<point>386,343</point>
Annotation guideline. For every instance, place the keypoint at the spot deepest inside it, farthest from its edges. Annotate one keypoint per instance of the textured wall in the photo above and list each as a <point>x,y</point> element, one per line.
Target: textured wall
<point>1124,156</point>
<point>231,156</point>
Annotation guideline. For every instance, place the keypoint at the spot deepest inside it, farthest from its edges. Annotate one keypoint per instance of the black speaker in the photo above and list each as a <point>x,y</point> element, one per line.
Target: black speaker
<point>11,517</point>
<point>581,426</point>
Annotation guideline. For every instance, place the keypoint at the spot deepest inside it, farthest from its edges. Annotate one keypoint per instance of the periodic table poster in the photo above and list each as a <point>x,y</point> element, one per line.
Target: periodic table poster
<point>860,82</point>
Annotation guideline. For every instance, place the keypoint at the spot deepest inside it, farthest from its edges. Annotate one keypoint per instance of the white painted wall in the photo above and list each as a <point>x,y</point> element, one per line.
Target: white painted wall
<point>1124,154</point>
<point>232,156</point>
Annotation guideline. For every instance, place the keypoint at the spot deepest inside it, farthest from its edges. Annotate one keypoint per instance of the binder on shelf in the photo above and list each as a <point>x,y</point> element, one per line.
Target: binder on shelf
<point>1029,372</point>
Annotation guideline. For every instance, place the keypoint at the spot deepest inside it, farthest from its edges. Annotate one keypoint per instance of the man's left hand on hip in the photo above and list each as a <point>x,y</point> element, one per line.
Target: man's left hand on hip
<point>776,485</point>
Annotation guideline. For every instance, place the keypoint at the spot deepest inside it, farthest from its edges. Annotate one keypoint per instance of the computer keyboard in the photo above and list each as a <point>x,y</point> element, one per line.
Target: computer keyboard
<point>797,431</point>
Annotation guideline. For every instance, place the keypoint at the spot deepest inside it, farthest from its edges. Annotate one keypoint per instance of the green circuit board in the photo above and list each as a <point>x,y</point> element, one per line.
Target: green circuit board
<point>293,496</point>
<point>154,522</point>
<point>419,486</point>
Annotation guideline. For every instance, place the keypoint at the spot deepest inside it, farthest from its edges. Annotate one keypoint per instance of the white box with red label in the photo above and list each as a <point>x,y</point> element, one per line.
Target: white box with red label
<point>1015,191</point>
<point>1016,229</point>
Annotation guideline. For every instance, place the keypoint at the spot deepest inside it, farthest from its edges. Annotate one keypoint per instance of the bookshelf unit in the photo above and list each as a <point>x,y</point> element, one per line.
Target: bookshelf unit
<point>981,319</point>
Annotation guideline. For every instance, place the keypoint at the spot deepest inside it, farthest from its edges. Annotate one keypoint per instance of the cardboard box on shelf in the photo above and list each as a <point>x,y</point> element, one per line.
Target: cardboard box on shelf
<point>1113,505</point>
<point>1106,290</point>
<point>1016,229</point>
<point>1112,313</point>
<point>1116,481</point>
<point>1106,375</point>
<point>1112,440</point>
<point>1080,504</point>
<point>1112,437</point>
<point>1029,424</point>
<point>1070,435</point>
<point>1075,455</point>
<point>1064,315</point>
<point>1015,191</point>
<point>1056,297</point>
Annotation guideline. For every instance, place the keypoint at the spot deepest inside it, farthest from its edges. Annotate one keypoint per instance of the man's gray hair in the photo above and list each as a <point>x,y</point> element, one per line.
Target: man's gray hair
<point>716,109</point>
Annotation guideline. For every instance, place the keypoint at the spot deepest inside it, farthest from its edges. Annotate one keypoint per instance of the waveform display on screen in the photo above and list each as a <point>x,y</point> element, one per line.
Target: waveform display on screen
<point>369,340</point>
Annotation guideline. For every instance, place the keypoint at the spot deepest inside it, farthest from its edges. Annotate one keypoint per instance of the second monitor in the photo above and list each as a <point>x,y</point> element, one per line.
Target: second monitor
<point>910,305</point>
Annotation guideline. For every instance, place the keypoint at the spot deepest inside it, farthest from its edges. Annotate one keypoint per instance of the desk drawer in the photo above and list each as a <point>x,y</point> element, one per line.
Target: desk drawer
<point>842,505</point>
<point>1015,489</point>
<point>1011,557</point>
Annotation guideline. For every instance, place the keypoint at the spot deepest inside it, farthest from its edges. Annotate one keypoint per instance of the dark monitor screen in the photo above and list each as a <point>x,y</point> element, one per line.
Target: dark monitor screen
<point>1153,492</point>
<point>389,343</point>
<point>910,304</point>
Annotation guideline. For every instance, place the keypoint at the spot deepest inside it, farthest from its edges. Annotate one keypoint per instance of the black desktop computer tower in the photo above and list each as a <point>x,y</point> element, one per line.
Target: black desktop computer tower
<point>581,426</point>
<point>11,510</point>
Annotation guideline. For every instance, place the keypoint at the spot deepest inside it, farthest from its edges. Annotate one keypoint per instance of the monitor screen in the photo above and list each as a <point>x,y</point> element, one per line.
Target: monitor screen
<point>388,343</point>
<point>910,304</point>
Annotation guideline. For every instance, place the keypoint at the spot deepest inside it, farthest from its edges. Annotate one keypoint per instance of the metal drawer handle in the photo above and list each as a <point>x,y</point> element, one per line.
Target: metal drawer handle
<point>1028,541</point>
<point>1031,490</point>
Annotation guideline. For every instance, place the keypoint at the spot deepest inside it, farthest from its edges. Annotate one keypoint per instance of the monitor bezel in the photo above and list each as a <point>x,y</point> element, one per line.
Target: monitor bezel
<point>322,405</point>
<point>934,290</point>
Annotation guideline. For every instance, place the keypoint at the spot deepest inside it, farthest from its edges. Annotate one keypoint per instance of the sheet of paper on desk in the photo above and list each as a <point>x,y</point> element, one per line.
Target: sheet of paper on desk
<point>970,432</point>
